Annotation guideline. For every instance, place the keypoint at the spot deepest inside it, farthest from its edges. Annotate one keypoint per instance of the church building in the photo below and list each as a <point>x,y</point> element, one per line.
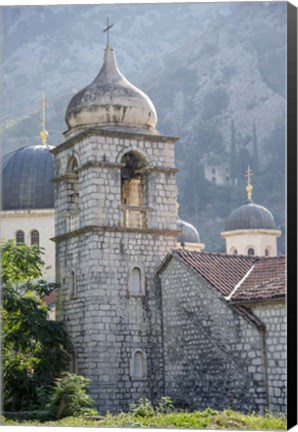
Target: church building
<point>148,312</point>
<point>195,328</point>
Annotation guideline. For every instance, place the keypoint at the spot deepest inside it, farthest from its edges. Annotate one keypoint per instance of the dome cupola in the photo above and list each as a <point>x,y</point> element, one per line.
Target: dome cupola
<point>189,234</point>
<point>250,216</point>
<point>111,102</point>
<point>251,229</point>
<point>189,237</point>
<point>26,175</point>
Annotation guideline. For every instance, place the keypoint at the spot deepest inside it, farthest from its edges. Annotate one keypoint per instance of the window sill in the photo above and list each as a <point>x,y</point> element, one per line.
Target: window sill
<point>139,378</point>
<point>136,295</point>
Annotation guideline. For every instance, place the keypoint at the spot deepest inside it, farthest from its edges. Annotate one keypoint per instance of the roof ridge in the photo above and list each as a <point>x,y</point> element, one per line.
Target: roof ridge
<point>220,254</point>
<point>254,258</point>
<point>241,282</point>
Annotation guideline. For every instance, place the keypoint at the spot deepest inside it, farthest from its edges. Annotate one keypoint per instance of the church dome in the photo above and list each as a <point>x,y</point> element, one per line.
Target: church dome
<point>189,234</point>
<point>111,101</point>
<point>25,179</point>
<point>250,216</point>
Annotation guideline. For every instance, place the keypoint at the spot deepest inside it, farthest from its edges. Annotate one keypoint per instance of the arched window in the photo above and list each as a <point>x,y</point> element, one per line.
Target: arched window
<point>251,251</point>
<point>73,183</point>
<point>34,237</point>
<point>136,280</point>
<point>267,251</point>
<point>133,190</point>
<point>20,237</point>
<point>233,251</point>
<point>138,366</point>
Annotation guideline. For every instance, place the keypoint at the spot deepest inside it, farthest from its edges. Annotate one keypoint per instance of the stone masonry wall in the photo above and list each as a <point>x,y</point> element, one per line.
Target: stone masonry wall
<point>213,356</point>
<point>274,317</point>
<point>100,185</point>
<point>105,322</point>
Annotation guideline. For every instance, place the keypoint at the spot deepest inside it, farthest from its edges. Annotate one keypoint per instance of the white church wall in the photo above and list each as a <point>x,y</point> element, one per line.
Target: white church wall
<point>28,220</point>
<point>260,240</point>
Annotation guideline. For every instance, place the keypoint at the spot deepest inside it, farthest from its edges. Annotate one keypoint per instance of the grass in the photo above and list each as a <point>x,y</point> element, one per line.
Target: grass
<point>208,419</point>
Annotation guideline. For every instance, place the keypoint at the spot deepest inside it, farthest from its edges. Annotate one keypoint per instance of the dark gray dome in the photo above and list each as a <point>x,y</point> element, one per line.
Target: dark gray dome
<point>250,216</point>
<point>25,179</point>
<point>188,232</point>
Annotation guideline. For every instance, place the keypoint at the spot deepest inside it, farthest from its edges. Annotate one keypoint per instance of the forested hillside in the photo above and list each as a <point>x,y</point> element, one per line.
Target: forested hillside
<point>214,71</point>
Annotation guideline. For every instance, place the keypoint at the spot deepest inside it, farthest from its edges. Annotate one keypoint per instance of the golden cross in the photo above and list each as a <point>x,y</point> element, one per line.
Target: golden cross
<point>108,27</point>
<point>43,133</point>
<point>249,186</point>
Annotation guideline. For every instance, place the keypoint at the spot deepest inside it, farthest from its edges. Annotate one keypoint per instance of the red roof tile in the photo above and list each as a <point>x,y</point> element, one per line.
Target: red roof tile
<point>266,281</point>
<point>51,298</point>
<point>258,278</point>
<point>222,271</point>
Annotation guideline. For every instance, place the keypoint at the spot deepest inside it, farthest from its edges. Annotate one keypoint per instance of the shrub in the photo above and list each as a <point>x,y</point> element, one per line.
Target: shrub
<point>165,405</point>
<point>70,398</point>
<point>143,408</point>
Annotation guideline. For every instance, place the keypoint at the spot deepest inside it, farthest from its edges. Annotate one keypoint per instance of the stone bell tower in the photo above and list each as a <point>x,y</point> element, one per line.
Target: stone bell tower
<point>115,222</point>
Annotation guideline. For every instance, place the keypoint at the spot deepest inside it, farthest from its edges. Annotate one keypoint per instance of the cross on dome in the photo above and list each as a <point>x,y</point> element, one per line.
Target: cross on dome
<point>249,186</point>
<point>106,30</point>
<point>43,133</point>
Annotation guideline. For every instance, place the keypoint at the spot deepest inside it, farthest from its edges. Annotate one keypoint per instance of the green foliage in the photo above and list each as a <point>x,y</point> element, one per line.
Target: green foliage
<point>34,349</point>
<point>70,398</point>
<point>165,405</point>
<point>20,263</point>
<point>143,408</point>
<point>207,419</point>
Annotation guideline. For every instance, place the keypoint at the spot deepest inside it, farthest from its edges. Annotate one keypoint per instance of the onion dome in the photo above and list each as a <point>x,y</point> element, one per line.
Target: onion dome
<point>189,234</point>
<point>111,102</point>
<point>25,179</point>
<point>250,216</point>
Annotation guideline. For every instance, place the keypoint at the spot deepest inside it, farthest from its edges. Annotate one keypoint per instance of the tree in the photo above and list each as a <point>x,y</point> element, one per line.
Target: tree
<point>34,349</point>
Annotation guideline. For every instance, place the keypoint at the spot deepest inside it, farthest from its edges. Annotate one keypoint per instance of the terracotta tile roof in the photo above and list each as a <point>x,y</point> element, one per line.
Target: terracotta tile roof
<point>267,280</point>
<point>50,299</point>
<point>222,271</point>
<point>258,278</point>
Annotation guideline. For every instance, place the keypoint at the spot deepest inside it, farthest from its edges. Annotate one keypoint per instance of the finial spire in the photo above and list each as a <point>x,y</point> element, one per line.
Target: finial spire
<point>43,133</point>
<point>108,27</point>
<point>249,186</point>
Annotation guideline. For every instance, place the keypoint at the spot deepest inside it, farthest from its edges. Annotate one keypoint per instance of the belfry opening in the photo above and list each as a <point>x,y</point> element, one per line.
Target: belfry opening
<point>133,190</point>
